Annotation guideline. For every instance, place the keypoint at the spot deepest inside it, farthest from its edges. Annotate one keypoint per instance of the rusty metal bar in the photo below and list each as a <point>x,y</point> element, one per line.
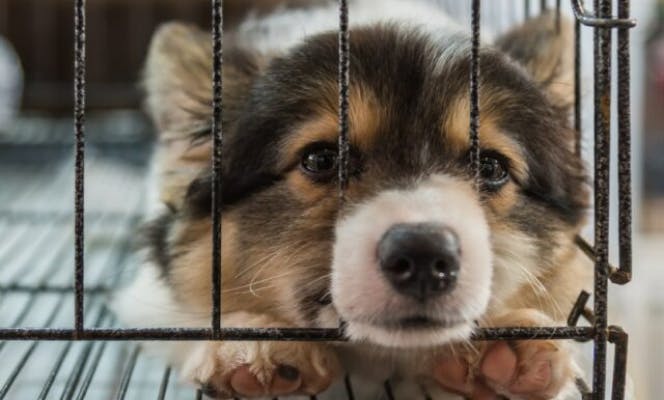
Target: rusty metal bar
<point>217,64</point>
<point>344,82</point>
<point>619,338</point>
<point>624,272</point>
<point>474,91</point>
<point>599,20</point>
<point>79,184</point>
<point>602,80</point>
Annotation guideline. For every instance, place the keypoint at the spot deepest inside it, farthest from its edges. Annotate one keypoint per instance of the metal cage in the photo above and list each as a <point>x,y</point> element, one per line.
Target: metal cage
<point>602,21</point>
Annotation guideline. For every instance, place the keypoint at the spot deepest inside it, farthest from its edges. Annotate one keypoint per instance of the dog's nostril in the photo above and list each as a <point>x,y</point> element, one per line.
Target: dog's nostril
<point>445,272</point>
<point>402,268</point>
<point>440,268</point>
<point>420,260</point>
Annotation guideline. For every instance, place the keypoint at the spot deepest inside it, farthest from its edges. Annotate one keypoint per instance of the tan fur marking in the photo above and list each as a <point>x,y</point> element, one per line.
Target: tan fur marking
<point>561,282</point>
<point>365,116</point>
<point>304,189</point>
<point>191,271</point>
<point>456,130</point>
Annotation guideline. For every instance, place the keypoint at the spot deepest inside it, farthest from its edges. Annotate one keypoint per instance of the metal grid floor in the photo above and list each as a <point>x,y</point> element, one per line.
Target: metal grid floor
<point>37,258</point>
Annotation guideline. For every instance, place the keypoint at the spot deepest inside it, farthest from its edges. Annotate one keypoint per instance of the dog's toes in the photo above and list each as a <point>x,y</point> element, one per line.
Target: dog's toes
<point>527,370</point>
<point>499,364</point>
<point>287,379</point>
<point>284,380</point>
<point>452,374</point>
<point>536,377</point>
<point>246,383</point>
<point>275,369</point>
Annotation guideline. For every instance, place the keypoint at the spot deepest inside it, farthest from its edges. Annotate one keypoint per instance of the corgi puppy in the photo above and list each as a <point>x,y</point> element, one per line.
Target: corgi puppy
<point>417,255</point>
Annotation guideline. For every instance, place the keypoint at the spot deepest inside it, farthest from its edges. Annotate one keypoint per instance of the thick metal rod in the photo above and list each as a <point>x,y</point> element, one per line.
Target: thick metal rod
<point>602,53</point>
<point>275,334</point>
<point>474,91</point>
<point>620,339</point>
<point>606,21</point>
<point>217,64</point>
<point>577,88</point>
<point>624,273</point>
<point>577,309</point>
<point>79,184</point>
<point>344,82</point>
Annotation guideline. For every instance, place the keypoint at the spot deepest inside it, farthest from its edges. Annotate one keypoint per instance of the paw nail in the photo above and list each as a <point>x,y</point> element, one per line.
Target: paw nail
<point>288,373</point>
<point>209,390</point>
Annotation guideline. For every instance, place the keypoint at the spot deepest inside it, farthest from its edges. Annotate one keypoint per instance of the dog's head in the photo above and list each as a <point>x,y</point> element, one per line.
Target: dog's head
<point>415,253</point>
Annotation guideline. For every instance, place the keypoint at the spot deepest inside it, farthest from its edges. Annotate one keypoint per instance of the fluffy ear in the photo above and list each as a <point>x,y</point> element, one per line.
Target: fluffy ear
<point>178,84</point>
<point>544,46</point>
<point>178,78</point>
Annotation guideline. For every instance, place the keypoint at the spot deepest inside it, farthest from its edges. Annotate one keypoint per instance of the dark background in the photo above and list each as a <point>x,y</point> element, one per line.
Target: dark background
<point>118,34</point>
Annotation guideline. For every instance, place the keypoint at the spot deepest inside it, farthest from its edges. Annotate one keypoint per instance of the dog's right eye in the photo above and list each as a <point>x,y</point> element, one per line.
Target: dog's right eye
<point>320,162</point>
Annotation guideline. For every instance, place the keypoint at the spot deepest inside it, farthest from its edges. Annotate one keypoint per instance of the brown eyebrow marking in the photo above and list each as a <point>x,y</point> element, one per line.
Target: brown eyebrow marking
<point>456,131</point>
<point>365,116</point>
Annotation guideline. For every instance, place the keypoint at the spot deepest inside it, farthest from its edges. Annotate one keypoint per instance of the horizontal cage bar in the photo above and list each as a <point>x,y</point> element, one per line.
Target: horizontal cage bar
<point>278,334</point>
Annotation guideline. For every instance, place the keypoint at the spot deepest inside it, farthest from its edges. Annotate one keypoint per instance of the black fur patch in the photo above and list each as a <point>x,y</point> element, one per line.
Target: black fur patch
<point>155,239</point>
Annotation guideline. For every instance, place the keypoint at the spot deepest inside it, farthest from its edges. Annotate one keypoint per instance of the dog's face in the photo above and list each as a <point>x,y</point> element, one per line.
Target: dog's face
<point>415,253</point>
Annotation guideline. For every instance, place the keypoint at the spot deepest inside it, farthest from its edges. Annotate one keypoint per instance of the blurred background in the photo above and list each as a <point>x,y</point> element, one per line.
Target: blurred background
<point>36,177</point>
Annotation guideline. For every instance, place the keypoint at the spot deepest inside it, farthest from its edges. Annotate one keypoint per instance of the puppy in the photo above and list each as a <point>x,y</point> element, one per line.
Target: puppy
<point>416,256</point>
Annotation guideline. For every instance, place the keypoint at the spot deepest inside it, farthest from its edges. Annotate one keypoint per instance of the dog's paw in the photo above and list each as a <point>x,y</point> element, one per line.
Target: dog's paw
<point>517,370</point>
<point>261,369</point>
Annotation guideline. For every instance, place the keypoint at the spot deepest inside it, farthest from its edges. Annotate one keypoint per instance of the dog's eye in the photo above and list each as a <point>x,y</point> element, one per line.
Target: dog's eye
<point>493,171</point>
<point>320,162</point>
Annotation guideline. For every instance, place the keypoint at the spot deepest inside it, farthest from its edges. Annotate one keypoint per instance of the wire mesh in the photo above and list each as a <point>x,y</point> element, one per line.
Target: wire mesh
<point>90,355</point>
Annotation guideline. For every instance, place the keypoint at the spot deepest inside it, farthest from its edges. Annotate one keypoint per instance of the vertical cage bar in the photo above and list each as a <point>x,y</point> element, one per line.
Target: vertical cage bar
<point>543,5</point>
<point>620,340</point>
<point>79,184</point>
<point>217,63</point>
<point>624,274</point>
<point>526,8</point>
<point>474,91</point>
<point>387,388</point>
<point>344,73</point>
<point>602,50</point>
<point>558,10</point>
<point>577,87</point>
<point>349,387</point>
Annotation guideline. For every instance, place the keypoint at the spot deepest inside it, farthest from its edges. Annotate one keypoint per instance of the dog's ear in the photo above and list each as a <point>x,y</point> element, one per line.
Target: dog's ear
<point>178,78</point>
<point>544,46</point>
<point>178,84</point>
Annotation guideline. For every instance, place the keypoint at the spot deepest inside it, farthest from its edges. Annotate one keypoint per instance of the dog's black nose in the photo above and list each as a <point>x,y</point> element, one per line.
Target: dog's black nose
<point>420,260</point>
